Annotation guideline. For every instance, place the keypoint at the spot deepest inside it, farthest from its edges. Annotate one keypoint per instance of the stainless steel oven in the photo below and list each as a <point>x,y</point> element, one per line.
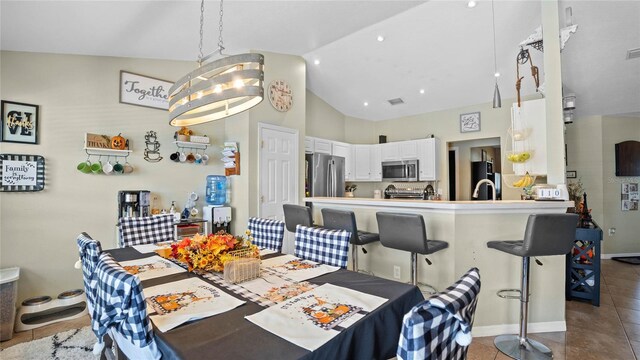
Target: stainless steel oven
<point>406,170</point>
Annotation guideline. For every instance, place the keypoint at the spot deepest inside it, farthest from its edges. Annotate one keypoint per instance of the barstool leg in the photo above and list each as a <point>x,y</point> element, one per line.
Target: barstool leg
<point>519,346</point>
<point>354,257</point>
<point>414,269</point>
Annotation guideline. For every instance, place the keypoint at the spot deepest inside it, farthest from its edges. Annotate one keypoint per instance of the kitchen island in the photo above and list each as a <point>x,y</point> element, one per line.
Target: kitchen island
<point>467,226</point>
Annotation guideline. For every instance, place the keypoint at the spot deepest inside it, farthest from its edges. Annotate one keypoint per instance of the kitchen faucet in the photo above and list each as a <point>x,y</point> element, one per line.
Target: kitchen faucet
<point>490,183</point>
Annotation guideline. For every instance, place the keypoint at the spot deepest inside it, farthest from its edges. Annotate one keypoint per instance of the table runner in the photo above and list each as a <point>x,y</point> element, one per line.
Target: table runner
<point>311,319</point>
<point>175,303</point>
<point>151,267</point>
<point>296,269</point>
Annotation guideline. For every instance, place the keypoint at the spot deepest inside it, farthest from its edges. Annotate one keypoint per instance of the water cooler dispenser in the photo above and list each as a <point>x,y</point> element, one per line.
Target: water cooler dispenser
<point>216,196</point>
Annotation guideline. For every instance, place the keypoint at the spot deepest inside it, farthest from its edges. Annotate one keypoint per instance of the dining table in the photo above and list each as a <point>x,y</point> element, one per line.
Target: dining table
<point>229,335</point>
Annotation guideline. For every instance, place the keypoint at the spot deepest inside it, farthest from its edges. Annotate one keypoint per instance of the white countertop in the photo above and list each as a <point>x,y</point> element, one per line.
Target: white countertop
<point>485,205</point>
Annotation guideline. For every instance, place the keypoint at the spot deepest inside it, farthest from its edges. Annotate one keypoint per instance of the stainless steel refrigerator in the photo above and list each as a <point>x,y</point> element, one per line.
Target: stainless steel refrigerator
<point>324,175</point>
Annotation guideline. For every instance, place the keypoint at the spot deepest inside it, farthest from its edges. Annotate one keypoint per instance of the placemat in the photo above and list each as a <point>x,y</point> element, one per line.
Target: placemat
<point>151,267</point>
<point>311,319</point>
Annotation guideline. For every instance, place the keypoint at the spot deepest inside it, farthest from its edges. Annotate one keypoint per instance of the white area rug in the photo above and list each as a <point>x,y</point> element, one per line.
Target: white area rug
<point>69,345</point>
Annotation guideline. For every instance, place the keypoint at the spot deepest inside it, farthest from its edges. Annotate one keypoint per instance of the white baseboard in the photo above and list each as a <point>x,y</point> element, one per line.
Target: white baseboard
<point>493,330</point>
<point>609,256</point>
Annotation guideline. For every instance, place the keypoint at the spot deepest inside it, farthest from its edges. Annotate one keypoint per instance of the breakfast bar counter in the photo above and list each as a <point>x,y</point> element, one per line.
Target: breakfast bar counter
<point>467,226</point>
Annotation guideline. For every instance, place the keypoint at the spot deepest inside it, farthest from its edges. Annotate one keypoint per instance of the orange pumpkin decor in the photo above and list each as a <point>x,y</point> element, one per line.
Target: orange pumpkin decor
<point>118,143</point>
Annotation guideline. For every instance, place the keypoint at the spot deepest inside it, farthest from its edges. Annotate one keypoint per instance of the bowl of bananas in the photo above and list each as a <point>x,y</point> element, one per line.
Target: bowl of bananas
<point>520,156</point>
<point>519,181</point>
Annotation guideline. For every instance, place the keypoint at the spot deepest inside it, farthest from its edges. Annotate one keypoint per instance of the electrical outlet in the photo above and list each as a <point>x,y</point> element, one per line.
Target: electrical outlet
<point>612,231</point>
<point>396,272</point>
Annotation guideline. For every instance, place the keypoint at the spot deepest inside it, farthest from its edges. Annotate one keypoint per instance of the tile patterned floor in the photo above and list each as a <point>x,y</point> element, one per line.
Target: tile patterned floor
<point>611,331</point>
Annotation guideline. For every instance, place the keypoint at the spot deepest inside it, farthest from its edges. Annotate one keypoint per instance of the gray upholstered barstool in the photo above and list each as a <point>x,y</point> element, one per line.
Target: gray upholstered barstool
<point>407,232</point>
<point>296,215</point>
<point>545,235</point>
<point>346,220</point>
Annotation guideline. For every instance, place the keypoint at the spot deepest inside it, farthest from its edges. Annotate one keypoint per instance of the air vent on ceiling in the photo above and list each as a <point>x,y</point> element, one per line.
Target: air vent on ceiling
<point>396,101</point>
<point>633,53</point>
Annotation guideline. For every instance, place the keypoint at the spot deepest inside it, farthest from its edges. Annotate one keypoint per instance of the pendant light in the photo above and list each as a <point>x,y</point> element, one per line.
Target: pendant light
<point>497,100</point>
<point>217,89</point>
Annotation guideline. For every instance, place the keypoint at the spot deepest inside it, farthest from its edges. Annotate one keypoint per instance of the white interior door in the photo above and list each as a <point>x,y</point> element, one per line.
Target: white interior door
<point>278,173</point>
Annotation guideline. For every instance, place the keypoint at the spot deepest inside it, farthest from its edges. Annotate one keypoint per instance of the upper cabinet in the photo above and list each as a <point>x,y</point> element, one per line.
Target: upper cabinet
<point>309,142</point>
<point>390,151</point>
<point>428,155</point>
<point>364,162</point>
<point>344,150</point>
<point>408,149</point>
<point>322,146</point>
<point>375,162</point>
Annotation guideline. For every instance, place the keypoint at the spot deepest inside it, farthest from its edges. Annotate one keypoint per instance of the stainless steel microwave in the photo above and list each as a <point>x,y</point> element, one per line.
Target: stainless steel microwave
<point>406,170</point>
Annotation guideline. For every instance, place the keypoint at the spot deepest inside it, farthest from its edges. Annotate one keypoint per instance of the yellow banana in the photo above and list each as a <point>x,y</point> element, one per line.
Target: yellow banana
<point>519,183</point>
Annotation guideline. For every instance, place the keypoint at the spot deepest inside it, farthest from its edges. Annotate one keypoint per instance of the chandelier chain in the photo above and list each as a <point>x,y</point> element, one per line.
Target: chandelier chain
<point>220,40</point>
<point>201,55</point>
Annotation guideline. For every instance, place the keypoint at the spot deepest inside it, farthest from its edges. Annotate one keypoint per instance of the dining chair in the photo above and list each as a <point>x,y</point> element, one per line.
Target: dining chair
<point>267,233</point>
<point>90,251</point>
<point>145,230</point>
<point>329,247</point>
<point>346,220</point>
<point>295,215</point>
<point>440,327</point>
<point>120,310</point>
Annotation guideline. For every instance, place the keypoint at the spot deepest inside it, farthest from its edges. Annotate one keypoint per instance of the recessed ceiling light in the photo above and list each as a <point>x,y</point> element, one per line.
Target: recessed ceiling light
<point>380,38</point>
<point>366,103</point>
<point>471,4</point>
<point>316,61</point>
<point>421,91</point>
<point>497,74</point>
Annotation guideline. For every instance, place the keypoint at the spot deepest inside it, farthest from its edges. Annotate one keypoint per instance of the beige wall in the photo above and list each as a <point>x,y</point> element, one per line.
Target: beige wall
<point>323,120</point>
<point>627,224</point>
<point>79,94</point>
<point>246,191</point>
<point>591,153</point>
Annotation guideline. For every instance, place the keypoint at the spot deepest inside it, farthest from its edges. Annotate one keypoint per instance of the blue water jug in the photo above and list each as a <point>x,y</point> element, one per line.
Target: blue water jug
<point>216,190</point>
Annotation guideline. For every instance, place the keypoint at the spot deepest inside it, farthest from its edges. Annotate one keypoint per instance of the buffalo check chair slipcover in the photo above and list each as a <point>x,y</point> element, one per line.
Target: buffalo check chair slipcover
<point>329,247</point>
<point>440,327</point>
<point>120,309</point>
<point>145,230</point>
<point>90,251</point>
<point>267,233</point>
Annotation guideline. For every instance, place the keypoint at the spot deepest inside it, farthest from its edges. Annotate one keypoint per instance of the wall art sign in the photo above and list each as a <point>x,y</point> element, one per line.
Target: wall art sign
<point>629,196</point>
<point>470,122</point>
<point>144,91</point>
<point>19,122</point>
<point>21,173</point>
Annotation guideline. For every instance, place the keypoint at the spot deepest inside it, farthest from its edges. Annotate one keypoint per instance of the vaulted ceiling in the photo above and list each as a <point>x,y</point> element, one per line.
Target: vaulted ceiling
<point>442,47</point>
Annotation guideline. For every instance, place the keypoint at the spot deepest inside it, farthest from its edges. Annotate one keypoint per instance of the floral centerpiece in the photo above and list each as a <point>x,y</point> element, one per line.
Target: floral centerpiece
<point>209,253</point>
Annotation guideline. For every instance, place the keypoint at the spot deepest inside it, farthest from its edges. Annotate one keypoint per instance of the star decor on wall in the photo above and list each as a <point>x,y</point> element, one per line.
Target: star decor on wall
<point>470,122</point>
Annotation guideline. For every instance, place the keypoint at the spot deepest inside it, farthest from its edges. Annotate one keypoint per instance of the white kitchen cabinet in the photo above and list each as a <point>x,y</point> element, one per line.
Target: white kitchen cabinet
<point>375,162</point>
<point>530,134</point>
<point>308,144</point>
<point>344,150</point>
<point>322,146</point>
<point>362,162</point>
<point>428,150</point>
<point>390,151</point>
<point>408,149</point>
